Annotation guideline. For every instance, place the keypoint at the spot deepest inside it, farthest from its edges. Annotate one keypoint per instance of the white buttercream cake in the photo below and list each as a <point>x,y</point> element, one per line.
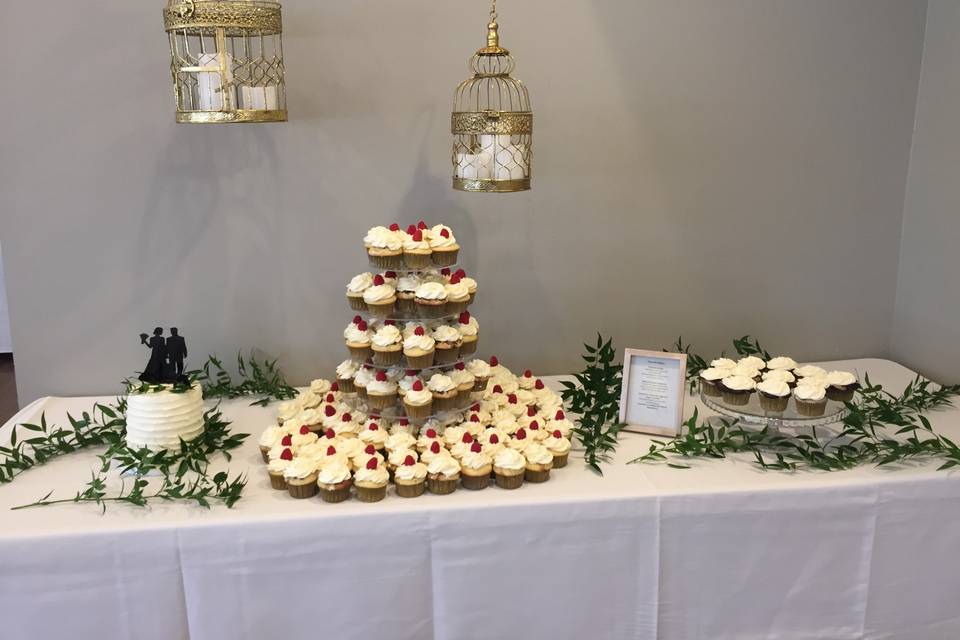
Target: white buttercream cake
<point>159,418</point>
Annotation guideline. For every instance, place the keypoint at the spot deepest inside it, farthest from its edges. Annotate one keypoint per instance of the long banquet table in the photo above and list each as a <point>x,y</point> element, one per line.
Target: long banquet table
<point>723,550</point>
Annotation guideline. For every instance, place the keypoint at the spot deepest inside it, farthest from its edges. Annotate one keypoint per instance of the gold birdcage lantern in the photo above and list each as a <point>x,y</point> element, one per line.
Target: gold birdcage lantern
<point>492,122</point>
<point>226,58</point>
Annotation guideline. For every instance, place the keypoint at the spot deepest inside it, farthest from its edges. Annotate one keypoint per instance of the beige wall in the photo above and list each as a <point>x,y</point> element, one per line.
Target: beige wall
<point>926,330</point>
<point>705,168</point>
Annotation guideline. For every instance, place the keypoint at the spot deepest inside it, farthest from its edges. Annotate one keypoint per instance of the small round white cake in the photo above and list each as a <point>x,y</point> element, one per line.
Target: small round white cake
<point>159,419</point>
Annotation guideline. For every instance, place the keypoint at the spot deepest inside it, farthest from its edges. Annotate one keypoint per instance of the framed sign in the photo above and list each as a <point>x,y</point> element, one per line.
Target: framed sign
<point>654,385</point>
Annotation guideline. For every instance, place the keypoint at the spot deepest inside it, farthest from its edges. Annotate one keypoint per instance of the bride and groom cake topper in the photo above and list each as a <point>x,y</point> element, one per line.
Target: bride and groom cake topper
<point>166,357</point>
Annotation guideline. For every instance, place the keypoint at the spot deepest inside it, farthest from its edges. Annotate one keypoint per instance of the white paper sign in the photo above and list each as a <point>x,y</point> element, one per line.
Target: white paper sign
<point>651,400</point>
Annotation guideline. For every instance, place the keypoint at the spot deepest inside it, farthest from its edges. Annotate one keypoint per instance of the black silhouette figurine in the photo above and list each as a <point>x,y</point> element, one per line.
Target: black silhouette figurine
<point>166,357</point>
<point>176,351</point>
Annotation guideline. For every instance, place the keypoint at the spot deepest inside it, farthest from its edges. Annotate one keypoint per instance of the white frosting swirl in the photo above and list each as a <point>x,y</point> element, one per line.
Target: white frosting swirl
<point>386,336</point>
<point>411,472</point>
<point>271,436</point>
<point>444,465</point>
<point>377,476</point>
<point>440,383</point>
<point>536,453</point>
<point>739,383</point>
<point>752,361</point>
<point>300,468</point>
<point>809,392</point>
<point>713,374</point>
<point>457,291</point>
<point>475,460</point>
<point>382,238</point>
<point>479,368</point>
<point>360,282</point>
<point>347,369</point>
<point>431,291</point>
<point>510,459</point>
<point>354,334</point>
<point>421,343</point>
<point>445,333</point>
<point>334,473</point>
<point>775,388</point>
<point>841,378</point>
<point>780,375</point>
<point>809,371</point>
<point>781,362</point>
<point>470,329</point>
<point>379,293</point>
<point>438,241</point>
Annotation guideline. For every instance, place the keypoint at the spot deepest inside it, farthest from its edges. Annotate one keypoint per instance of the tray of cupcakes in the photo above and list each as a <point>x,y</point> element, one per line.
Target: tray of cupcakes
<point>777,391</point>
<point>513,432</point>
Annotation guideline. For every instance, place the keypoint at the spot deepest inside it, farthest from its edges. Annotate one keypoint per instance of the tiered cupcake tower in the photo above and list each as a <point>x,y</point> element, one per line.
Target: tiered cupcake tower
<point>413,331</point>
<point>407,407</point>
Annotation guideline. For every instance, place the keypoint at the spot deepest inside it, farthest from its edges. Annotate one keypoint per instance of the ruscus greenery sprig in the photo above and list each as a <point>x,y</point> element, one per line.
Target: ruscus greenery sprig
<point>595,399</point>
<point>183,474</point>
<point>258,378</point>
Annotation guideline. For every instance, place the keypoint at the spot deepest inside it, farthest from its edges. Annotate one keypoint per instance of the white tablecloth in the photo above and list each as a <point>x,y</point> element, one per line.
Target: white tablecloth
<point>723,550</point>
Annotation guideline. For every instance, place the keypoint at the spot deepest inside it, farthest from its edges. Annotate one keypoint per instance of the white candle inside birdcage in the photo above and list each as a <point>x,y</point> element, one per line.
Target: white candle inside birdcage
<point>210,87</point>
<point>259,98</point>
<point>474,166</point>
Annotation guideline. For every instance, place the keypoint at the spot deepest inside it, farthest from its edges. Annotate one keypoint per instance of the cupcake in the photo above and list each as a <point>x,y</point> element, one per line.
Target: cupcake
<point>276,468</point>
<point>361,380</point>
<point>476,467</point>
<point>381,392</point>
<point>334,481</point>
<point>301,477</point>
<point>410,478</point>
<point>406,383</point>
<point>481,373</point>
<point>387,345</point>
<point>842,385</point>
<point>736,389</point>
<point>358,338</point>
<point>774,395</point>
<point>447,344</point>
<point>444,392</point>
<point>375,436</point>
<point>416,249</point>
<point>431,300</point>
<point>312,419</point>
<point>465,382</point>
<point>270,438</point>
<point>469,333</point>
<point>426,439</point>
<point>781,363</point>
<point>444,246</point>
<point>371,481</point>
<point>443,473</point>
<point>346,370</point>
<point>355,288</point>
<point>381,298</point>
<point>435,449</point>
<point>320,386</point>
<point>539,461</point>
<point>810,399</point>
<point>406,295</point>
<point>399,440</point>
<point>418,401</point>
<point>520,439</point>
<point>385,247</point>
<point>710,381</point>
<point>419,349</point>
<point>287,411</point>
<point>471,285</point>
<point>458,297</point>
<point>347,427</point>
<point>559,446</point>
<point>509,467</point>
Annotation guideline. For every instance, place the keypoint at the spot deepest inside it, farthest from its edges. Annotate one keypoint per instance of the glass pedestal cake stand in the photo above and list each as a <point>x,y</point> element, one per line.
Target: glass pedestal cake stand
<point>752,414</point>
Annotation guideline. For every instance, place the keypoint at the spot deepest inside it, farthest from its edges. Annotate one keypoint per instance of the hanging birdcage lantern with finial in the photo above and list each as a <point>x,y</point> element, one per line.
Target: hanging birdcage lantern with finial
<point>492,122</point>
<point>226,58</point>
